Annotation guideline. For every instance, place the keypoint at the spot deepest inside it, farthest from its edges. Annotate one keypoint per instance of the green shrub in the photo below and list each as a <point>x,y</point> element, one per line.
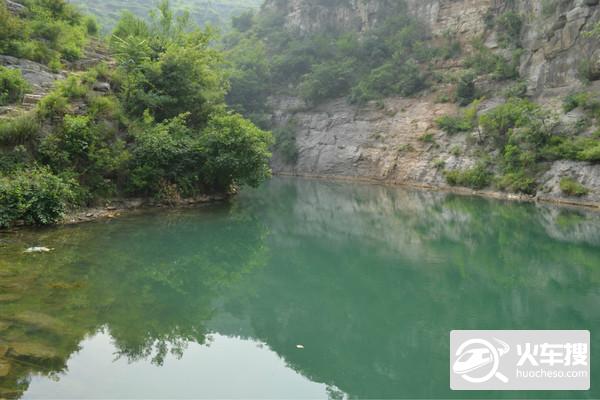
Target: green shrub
<point>587,71</point>
<point>585,100</point>
<point>91,26</point>
<point>88,151</point>
<point>500,122</point>
<point>571,187</point>
<point>236,152</point>
<point>427,138</point>
<point>106,107</point>
<point>518,90</point>
<point>465,90</point>
<point>509,26</point>
<point>477,177</point>
<point>464,122</point>
<point>591,153</point>
<point>485,61</point>
<point>578,149</point>
<point>517,182</point>
<point>454,124</point>
<point>12,86</point>
<point>21,129</point>
<point>166,155</point>
<point>35,197</point>
<point>53,105</point>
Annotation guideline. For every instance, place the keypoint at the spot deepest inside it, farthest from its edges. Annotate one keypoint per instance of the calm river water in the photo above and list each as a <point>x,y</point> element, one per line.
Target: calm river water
<point>298,289</point>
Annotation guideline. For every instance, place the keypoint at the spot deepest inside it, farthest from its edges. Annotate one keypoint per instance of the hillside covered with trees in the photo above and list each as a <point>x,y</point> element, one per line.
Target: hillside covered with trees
<point>203,12</point>
<point>150,120</point>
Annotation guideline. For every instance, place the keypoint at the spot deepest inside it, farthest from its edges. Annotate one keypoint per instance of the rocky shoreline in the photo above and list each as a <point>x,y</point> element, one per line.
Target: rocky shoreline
<point>117,207</point>
<point>491,194</point>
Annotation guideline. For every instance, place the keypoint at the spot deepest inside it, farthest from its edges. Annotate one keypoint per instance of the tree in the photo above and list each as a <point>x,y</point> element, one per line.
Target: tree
<point>236,151</point>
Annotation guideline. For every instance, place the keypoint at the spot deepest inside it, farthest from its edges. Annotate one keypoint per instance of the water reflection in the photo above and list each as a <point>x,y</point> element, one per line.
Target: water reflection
<point>369,279</point>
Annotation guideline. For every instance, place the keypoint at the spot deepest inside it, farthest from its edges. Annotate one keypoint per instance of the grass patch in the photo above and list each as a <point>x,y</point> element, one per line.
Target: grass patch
<point>571,187</point>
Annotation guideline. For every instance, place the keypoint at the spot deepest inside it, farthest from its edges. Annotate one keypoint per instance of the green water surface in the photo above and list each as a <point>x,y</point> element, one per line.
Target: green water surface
<point>299,289</point>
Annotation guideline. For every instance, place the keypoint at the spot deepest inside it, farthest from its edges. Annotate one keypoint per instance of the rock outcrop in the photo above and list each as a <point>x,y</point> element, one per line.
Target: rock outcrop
<point>398,141</point>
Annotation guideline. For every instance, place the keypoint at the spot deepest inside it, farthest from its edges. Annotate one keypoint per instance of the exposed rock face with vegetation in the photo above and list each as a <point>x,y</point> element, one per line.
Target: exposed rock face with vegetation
<point>479,61</point>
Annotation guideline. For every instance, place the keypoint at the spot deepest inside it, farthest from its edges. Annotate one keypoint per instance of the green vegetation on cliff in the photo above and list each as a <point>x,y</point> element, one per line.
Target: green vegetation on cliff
<point>47,31</point>
<point>393,58</point>
<point>202,12</point>
<point>150,121</point>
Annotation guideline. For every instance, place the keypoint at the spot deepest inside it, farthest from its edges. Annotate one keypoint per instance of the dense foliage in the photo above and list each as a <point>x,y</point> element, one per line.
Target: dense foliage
<point>49,31</point>
<point>159,128</point>
<point>390,59</point>
<point>202,12</point>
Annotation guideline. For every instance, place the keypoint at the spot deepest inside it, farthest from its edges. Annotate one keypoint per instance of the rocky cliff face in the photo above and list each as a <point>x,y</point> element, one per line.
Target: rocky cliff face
<point>384,141</point>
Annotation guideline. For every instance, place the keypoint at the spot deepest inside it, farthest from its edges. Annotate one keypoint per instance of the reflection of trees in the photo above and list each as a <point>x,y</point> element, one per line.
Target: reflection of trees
<point>150,281</point>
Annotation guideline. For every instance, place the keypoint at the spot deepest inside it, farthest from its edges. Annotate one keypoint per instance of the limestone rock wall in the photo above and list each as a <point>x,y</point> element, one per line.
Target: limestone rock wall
<point>388,142</point>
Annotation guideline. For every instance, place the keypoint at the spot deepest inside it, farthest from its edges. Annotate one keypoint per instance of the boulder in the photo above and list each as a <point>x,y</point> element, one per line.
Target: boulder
<point>14,7</point>
<point>103,87</point>
<point>31,99</point>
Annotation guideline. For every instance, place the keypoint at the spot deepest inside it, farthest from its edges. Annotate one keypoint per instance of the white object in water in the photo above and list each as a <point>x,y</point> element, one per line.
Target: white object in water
<point>299,346</point>
<point>38,250</point>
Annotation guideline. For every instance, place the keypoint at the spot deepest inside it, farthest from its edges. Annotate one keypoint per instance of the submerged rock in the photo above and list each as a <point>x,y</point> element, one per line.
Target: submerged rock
<point>4,326</point>
<point>39,320</point>
<point>32,351</point>
<point>9,298</point>
<point>4,369</point>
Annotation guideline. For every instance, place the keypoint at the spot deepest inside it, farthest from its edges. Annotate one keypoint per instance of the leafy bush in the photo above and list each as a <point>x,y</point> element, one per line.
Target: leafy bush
<point>485,61</point>
<point>518,90</point>
<point>509,26</point>
<point>578,149</point>
<point>90,152</point>
<point>477,177</point>
<point>236,152</point>
<point>587,71</point>
<point>454,124</point>
<point>12,86</point>
<point>50,30</point>
<point>36,197</point>
<point>517,182</point>
<point>52,105</point>
<point>19,130</point>
<point>571,187</point>
<point>166,155</point>
<point>464,122</point>
<point>584,100</point>
<point>465,90</point>
<point>500,122</point>
<point>591,153</point>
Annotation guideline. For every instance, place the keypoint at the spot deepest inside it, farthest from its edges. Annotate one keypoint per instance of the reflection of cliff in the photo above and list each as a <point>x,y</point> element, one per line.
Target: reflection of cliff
<point>150,281</point>
<point>372,292</point>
